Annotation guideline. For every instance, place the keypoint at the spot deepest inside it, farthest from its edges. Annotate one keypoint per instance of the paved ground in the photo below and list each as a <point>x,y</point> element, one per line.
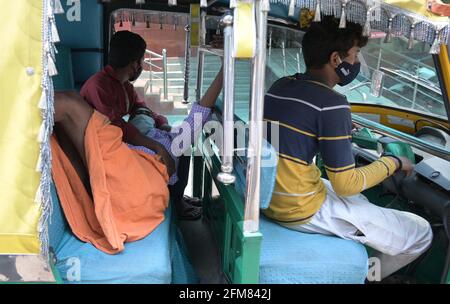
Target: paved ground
<point>24,269</point>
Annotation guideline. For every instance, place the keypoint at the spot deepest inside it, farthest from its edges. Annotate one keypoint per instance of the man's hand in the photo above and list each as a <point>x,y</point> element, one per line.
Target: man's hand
<point>166,159</point>
<point>407,166</point>
<point>165,127</point>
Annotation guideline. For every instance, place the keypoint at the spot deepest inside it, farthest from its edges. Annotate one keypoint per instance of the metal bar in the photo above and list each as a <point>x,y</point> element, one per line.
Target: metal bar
<point>151,75</point>
<point>409,139</point>
<point>442,64</point>
<point>201,55</point>
<point>283,52</point>
<point>154,54</point>
<point>153,65</point>
<point>252,198</point>
<point>226,177</point>
<point>187,59</point>
<point>157,59</point>
<point>416,85</point>
<point>164,53</point>
<point>212,51</point>
<point>379,58</point>
<point>270,43</point>
<point>413,79</point>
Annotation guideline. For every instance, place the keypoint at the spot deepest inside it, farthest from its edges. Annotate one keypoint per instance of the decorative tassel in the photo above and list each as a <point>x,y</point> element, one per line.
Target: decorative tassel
<point>39,164</point>
<point>411,38</point>
<point>41,134</point>
<point>233,3</point>
<point>343,21</point>
<point>43,101</point>
<point>57,7</point>
<point>203,3</point>
<point>52,71</point>
<point>366,29</point>
<point>317,17</point>
<point>265,5</point>
<point>436,46</point>
<point>172,2</point>
<point>38,197</point>
<point>291,8</point>
<point>55,35</point>
<point>388,37</point>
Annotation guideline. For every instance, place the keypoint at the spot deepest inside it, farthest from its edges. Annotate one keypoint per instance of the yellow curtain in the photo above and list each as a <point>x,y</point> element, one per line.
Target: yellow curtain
<point>20,121</point>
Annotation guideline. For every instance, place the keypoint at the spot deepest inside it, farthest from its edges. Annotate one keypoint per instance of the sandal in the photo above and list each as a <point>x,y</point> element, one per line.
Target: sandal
<point>189,213</point>
<point>193,201</point>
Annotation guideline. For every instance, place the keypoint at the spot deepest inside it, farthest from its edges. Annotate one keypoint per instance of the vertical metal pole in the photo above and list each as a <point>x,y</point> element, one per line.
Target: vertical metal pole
<point>164,53</point>
<point>201,55</point>
<point>379,59</point>
<point>283,52</point>
<point>187,56</point>
<point>416,86</point>
<point>298,62</point>
<point>252,198</point>
<point>225,176</point>
<point>151,73</point>
<point>270,43</point>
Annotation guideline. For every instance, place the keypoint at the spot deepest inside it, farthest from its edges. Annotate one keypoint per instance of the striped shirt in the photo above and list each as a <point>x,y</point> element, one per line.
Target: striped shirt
<point>313,118</point>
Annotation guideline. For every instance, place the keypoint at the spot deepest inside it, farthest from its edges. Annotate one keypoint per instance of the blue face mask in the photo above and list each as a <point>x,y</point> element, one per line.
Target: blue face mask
<point>347,72</point>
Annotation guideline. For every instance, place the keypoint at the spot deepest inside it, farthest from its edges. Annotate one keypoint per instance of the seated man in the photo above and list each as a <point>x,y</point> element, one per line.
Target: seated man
<point>313,118</point>
<point>114,192</point>
<point>111,93</point>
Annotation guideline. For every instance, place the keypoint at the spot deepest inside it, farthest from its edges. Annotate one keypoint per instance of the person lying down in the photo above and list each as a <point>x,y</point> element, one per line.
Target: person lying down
<point>112,193</point>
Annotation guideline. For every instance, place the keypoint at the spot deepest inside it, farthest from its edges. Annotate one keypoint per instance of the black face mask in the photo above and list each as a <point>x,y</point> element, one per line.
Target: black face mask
<point>347,72</point>
<point>137,73</point>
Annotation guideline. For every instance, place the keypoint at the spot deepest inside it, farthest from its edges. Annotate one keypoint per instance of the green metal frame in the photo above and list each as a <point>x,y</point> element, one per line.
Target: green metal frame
<point>240,252</point>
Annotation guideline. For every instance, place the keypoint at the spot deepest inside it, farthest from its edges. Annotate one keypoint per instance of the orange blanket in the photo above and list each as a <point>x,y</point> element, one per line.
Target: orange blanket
<point>129,189</point>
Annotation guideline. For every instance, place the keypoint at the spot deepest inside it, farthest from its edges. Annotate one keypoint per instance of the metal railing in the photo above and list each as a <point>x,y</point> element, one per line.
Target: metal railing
<point>252,197</point>
<point>187,57</point>
<point>152,57</point>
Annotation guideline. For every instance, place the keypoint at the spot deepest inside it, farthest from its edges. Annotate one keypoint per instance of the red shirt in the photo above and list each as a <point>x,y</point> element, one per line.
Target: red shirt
<point>106,94</point>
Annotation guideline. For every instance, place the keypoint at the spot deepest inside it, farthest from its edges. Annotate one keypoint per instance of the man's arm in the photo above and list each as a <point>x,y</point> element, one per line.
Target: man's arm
<point>99,99</point>
<point>209,99</point>
<point>161,121</point>
<point>131,134</point>
<point>144,141</point>
<point>336,150</point>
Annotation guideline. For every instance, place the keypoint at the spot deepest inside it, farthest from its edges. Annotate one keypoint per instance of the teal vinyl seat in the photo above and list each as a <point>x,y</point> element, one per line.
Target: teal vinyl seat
<point>293,257</point>
<point>159,258</point>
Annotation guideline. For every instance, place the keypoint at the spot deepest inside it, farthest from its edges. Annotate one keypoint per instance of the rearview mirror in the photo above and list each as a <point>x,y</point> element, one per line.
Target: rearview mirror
<point>376,86</point>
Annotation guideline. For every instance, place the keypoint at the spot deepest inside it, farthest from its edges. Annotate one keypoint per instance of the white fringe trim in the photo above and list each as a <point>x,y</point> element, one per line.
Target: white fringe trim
<point>46,105</point>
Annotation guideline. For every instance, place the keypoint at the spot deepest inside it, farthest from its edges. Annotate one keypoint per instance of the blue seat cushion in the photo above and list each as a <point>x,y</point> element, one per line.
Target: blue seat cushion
<point>289,256</point>
<point>58,224</point>
<point>268,173</point>
<point>147,261</point>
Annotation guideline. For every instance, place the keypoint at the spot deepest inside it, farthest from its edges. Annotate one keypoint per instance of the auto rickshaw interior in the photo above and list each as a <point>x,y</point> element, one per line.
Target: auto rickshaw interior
<point>407,115</point>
